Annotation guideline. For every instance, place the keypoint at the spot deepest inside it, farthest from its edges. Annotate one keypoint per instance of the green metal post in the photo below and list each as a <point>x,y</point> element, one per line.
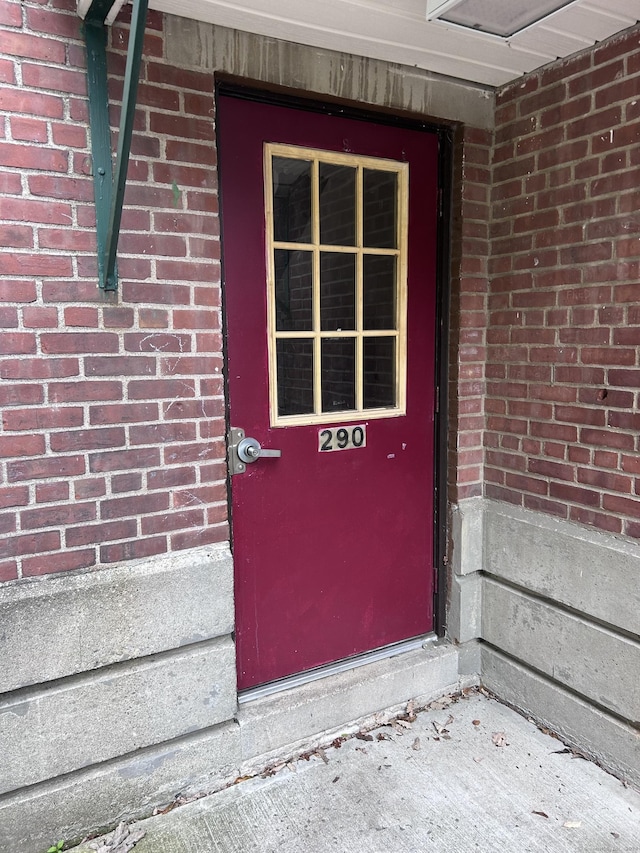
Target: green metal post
<point>109,192</point>
<point>96,40</point>
<point>131,78</point>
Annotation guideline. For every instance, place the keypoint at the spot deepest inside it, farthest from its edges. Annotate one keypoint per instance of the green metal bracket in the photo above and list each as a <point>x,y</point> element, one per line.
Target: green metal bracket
<point>109,187</point>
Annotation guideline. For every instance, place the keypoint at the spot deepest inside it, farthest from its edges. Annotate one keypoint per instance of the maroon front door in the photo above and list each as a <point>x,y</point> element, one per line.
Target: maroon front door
<point>329,251</point>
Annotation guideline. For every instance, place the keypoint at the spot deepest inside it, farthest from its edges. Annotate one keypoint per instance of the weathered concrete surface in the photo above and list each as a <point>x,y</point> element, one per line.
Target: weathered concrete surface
<point>560,625</point>
<point>464,607</point>
<point>589,571</point>
<point>117,689</point>
<point>297,715</point>
<point>590,660</point>
<point>318,71</point>
<point>57,626</point>
<point>129,787</point>
<point>115,711</point>
<point>439,784</point>
<point>613,742</point>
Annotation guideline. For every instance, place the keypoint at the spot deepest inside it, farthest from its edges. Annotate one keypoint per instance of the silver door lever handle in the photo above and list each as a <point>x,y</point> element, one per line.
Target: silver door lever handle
<point>249,450</point>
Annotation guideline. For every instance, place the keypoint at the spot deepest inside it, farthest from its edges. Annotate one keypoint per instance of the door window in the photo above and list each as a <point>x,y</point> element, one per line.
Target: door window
<point>337,269</point>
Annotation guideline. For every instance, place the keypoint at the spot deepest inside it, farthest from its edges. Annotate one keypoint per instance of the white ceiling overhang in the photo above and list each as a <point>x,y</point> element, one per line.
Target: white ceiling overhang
<point>398,31</point>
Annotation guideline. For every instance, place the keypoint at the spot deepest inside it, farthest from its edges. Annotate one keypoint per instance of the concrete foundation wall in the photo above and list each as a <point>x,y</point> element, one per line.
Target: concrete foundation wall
<point>117,688</point>
<point>559,623</point>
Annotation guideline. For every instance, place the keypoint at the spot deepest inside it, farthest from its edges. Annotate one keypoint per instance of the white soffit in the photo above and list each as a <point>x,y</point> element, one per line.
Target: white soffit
<point>398,31</point>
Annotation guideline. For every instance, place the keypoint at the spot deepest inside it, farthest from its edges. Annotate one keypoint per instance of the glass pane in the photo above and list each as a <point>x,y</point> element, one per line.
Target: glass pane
<point>291,200</point>
<point>295,377</point>
<point>338,374</point>
<point>379,298</point>
<point>379,385</point>
<point>337,205</point>
<point>337,292</point>
<point>294,291</point>
<point>380,193</point>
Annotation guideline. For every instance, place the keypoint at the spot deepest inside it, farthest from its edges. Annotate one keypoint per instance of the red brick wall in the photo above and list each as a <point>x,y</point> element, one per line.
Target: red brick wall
<point>563,372</point>
<point>469,293</point>
<point>111,441</point>
<point>111,438</point>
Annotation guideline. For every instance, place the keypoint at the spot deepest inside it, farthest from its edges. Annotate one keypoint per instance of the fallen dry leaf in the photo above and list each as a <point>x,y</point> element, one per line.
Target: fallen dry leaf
<point>441,728</point>
<point>323,755</point>
<point>416,744</point>
<point>170,807</point>
<point>499,739</point>
<point>542,814</point>
<point>440,704</point>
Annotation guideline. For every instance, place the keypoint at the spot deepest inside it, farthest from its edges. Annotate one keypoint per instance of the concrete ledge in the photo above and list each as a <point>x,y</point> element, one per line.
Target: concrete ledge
<point>465,608</point>
<point>469,662</point>
<point>58,626</point>
<point>86,720</point>
<point>327,72</point>
<point>467,536</point>
<point>276,722</point>
<point>586,658</point>
<point>614,744</point>
<point>465,589</point>
<point>590,571</point>
<point>99,797</point>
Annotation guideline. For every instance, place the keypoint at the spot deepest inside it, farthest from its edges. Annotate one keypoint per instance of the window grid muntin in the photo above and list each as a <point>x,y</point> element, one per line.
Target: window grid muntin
<point>272,150</point>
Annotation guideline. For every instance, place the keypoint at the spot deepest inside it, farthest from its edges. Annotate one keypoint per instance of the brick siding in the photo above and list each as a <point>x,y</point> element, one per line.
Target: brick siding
<point>563,375</point>
<point>112,433</point>
<point>112,439</point>
<point>469,293</point>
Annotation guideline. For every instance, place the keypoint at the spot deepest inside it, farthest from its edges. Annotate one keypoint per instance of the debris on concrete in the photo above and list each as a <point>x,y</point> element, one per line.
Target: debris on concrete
<point>121,840</point>
<point>446,787</point>
<point>499,739</point>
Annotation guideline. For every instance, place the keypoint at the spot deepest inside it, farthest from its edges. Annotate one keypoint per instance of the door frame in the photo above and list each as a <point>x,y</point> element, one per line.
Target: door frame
<point>252,90</point>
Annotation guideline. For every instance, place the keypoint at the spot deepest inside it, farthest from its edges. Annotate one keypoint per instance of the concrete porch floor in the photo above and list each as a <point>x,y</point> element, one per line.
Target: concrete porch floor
<point>470,776</point>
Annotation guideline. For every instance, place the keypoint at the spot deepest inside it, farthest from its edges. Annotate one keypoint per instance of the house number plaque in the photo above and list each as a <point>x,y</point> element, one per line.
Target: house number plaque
<point>342,438</point>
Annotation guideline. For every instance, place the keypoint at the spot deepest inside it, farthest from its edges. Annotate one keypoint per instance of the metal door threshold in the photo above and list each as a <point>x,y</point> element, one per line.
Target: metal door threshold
<point>329,669</point>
